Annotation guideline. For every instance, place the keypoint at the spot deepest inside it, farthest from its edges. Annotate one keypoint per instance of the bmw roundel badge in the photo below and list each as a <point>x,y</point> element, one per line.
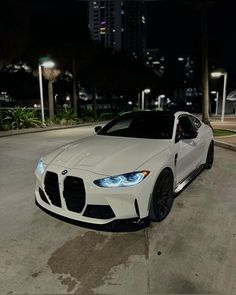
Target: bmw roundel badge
<point>64,172</point>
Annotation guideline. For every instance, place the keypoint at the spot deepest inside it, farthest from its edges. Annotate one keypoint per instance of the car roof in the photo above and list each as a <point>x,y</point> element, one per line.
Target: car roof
<point>153,113</point>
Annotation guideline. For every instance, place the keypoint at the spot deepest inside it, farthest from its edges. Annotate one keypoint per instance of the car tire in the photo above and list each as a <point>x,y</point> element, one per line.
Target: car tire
<point>210,156</point>
<point>162,196</point>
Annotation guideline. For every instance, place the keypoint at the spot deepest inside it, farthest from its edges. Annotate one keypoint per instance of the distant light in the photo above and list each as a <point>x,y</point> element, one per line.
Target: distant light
<point>147,90</point>
<point>156,62</point>
<point>216,74</point>
<point>68,98</point>
<point>35,105</point>
<point>213,92</point>
<point>188,103</point>
<point>180,59</point>
<point>48,64</point>
<point>156,103</point>
<point>162,96</point>
<point>130,102</point>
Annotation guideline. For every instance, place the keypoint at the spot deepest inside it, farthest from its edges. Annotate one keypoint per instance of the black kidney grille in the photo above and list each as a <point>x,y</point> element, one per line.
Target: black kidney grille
<point>74,193</point>
<point>52,188</point>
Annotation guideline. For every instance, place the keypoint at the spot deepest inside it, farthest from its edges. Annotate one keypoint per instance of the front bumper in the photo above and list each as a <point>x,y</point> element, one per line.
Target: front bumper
<point>118,225</point>
<point>100,206</point>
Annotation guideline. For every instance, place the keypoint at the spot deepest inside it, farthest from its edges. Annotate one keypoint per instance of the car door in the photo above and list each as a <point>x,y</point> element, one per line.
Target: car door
<point>189,151</point>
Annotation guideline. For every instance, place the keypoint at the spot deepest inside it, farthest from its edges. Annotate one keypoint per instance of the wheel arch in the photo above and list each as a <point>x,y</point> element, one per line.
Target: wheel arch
<point>154,183</point>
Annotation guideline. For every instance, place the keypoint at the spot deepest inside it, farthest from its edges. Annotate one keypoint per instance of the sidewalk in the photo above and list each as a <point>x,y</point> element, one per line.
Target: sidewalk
<point>229,123</point>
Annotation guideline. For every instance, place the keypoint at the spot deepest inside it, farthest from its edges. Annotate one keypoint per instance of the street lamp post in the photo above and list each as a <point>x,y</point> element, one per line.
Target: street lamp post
<point>41,95</point>
<point>143,97</point>
<point>217,75</point>
<point>46,64</point>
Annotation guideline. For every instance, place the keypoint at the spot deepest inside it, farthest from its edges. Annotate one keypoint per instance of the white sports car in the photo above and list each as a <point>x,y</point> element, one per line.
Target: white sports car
<point>129,170</point>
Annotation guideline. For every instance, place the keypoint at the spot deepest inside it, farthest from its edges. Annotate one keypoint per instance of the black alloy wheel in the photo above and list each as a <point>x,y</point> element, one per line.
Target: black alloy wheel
<point>210,156</point>
<point>162,196</point>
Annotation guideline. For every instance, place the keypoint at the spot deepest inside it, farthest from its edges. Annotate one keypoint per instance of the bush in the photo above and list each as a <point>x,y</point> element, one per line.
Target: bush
<point>105,116</point>
<point>66,116</point>
<point>21,117</point>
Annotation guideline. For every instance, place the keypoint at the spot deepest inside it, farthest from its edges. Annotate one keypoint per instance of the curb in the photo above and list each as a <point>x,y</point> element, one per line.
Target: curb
<point>44,129</point>
<point>228,146</point>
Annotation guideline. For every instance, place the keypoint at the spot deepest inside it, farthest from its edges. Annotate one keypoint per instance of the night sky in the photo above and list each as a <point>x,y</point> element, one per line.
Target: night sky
<point>176,30</point>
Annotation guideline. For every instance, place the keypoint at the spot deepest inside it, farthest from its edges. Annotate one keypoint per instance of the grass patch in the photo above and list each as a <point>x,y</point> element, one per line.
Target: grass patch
<point>222,132</point>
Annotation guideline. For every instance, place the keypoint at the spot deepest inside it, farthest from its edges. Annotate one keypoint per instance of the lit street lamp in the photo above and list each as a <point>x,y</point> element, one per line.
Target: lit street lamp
<point>143,95</point>
<point>217,75</point>
<point>44,62</point>
<point>216,100</point>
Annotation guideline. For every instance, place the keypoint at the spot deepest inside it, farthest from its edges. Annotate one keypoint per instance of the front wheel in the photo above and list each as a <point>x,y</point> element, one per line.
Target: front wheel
<point>210,156</point>
<point>162,196</point>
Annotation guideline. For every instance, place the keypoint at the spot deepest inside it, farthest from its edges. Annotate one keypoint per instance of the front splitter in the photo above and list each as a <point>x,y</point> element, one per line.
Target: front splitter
<point>118,225</point>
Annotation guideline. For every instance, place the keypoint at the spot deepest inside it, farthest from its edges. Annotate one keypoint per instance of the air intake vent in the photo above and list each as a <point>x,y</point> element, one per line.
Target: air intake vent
<point>52,188</point>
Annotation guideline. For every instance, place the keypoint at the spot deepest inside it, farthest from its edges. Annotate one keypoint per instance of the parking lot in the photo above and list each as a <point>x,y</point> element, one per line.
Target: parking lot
<point>192,251</point>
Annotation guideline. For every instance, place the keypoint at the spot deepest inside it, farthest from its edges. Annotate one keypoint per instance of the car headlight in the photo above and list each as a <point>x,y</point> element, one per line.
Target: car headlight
<point>124,180</point>
<point>40,168</point>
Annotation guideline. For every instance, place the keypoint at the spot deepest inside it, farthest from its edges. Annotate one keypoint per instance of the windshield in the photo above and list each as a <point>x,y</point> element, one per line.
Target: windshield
<point>148,125</point>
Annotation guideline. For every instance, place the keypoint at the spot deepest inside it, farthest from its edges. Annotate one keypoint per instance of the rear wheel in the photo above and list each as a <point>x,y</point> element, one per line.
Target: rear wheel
<point>210,156</point>
<point>162,196</point>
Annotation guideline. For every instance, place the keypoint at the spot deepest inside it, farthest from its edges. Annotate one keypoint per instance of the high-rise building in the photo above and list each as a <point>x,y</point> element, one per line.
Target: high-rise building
<point>120,25</point>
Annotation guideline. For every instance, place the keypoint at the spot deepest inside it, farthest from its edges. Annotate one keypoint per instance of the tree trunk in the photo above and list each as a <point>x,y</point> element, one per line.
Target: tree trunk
<point>205,82</point>
<point>50,99</point>
<point>1,122</point>
<point>75,103</point>
<point>94,99</point>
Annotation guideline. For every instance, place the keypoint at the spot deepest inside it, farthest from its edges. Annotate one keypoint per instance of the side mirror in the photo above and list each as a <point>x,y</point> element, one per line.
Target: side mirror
<point>97,128</point>
<point>189,135</point>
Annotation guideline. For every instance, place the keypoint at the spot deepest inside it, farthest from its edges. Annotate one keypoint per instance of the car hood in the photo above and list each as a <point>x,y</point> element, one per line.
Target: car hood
<point>107,155</point>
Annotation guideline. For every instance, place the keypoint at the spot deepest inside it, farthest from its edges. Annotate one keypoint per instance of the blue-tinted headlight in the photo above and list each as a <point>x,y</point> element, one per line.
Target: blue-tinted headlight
<point>40,168</point>
<point>124,180</point>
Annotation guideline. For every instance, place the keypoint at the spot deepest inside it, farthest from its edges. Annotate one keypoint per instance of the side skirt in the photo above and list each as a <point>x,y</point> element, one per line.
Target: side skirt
<point>188,179</point>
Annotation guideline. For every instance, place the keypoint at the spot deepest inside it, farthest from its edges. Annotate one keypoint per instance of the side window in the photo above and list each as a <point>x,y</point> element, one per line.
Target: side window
<point>196,123</point>
<point>184,126</point>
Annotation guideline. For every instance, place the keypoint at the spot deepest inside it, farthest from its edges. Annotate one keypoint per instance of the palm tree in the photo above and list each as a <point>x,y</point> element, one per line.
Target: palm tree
<point>202,6</point>
<point>50,75</point>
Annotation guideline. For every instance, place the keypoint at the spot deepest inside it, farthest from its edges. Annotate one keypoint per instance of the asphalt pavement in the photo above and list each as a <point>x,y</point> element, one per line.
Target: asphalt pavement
<point>191,252</point>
